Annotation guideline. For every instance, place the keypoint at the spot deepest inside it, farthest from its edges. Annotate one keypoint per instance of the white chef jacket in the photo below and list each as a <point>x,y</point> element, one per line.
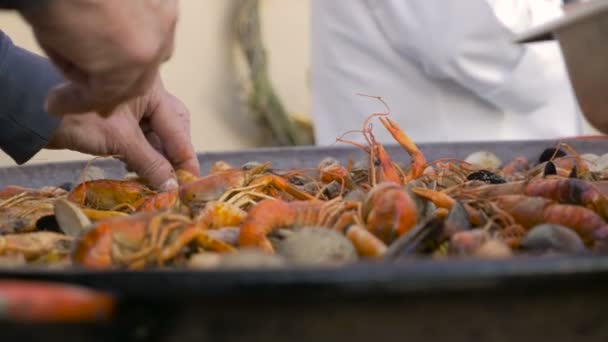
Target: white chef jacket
<point>447,68</point>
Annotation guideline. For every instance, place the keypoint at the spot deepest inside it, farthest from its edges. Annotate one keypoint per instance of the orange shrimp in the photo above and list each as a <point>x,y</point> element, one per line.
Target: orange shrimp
<point>140,240</point>
<point>106,194</point>
<point>365,242</point>
<point>531,211</point>
<point>517,165</point>
<point>418,160</point>
<point>389,212</point>
<point>271,214</point>
<point>163,200</point>
<point>221,214</point>
<point>389,171</point>
<point>442,200</point>
<point>563,190</point>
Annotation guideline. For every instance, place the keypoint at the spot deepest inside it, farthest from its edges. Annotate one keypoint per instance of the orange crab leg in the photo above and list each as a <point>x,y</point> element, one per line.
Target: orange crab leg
<point>388,172</point>
<point>418,159</point>
<point>438,198</point>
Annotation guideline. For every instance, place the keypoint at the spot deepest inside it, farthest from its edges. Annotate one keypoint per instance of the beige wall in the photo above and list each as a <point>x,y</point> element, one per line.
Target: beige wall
<point>201,73</point>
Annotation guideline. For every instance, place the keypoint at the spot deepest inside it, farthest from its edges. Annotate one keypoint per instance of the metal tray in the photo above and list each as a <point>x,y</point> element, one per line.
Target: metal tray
<point>557,298</point>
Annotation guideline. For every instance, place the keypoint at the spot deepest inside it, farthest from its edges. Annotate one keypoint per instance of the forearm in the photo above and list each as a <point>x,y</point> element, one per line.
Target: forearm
<point>25,80</point>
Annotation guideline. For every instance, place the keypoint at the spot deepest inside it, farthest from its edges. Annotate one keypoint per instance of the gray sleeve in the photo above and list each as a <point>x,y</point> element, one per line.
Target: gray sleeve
<point>25,80</point>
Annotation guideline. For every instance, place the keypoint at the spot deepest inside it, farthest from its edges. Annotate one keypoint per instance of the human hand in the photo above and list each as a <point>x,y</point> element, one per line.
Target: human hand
<point>109,50</point>
<point>151,133</point>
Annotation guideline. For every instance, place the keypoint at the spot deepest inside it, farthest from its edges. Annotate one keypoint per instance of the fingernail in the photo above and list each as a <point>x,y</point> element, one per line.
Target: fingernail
<point>169,185</point>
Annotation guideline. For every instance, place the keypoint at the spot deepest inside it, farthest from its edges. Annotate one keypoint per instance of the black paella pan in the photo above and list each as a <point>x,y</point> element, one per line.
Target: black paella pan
<point>551,298</point>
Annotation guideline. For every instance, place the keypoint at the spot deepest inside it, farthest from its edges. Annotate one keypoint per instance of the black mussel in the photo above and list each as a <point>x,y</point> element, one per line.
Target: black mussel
<point>312,188</point>
<point>333,189</point>
<point>327,162</point>
<point>550,153</point>
<point>298,180</point>
<point>456,221</point>
<point>250,165</point>
<point>48,223</point>
<point>549,169</point>
<point>486,176</point>
<point>546,238</point>
<point>573,173</point>
<point>67,186</point>
<point>422,239</point>
<point>355,195</point>
<point>425,208</point>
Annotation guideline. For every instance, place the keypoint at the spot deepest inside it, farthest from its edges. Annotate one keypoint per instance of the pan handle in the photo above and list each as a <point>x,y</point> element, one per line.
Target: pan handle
<point>49,302</point>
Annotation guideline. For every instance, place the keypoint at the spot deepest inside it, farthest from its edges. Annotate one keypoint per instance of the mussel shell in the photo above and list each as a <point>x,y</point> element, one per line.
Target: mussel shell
<point>550,169</point>
<point>424,207</point>
<point>67,186</point>
<point>355,195</point>
<point>486,177</point>
<point>554,238</point>
<point>550,153</point>
<point>250,165</point>
<point>313,246</point>
<point>333,189</point>
<point>299,180</point>
<point>422,239</point>
<point>456,221</point>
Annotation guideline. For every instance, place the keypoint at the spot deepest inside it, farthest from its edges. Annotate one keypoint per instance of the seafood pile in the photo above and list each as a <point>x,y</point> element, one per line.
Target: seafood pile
<point>374,209</point>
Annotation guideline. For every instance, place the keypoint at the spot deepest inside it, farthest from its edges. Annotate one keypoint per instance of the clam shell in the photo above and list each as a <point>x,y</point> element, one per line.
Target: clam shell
<point>94,173</point>
<point>249,258</point>
<point>600,164</point>
<point>229,235</point>
<point>70,217</point>
<point>552,238</point>
<point>493,249</point>
<point>314,245</point>
<point>484,160</point>
<point>205,260</point>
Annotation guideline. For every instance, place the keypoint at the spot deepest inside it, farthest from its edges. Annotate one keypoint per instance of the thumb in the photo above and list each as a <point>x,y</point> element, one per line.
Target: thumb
<point>69,98</point>
<point>149,164</point>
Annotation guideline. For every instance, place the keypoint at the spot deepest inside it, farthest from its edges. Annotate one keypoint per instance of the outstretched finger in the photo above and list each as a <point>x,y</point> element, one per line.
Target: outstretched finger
<point>170,120</point>
<point>148,163</point>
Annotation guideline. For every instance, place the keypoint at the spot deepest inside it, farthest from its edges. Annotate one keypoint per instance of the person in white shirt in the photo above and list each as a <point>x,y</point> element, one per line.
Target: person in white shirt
<point>448,69</point>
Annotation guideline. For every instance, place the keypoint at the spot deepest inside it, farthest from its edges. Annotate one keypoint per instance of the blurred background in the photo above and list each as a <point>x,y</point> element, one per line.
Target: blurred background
<point>203,72</point>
